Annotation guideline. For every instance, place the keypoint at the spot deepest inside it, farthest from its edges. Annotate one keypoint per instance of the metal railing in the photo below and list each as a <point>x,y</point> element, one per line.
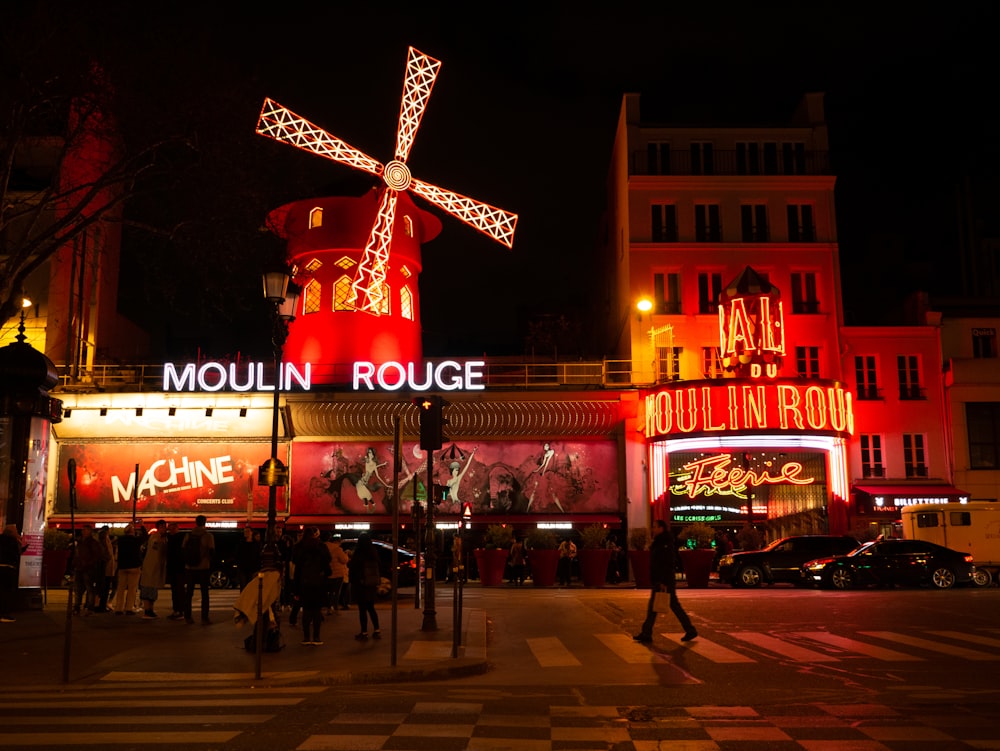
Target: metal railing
<point>730,162</point>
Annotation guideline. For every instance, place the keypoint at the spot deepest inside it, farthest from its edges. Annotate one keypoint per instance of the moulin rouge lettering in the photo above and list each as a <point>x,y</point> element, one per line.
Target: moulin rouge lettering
<point>445,376</point>
<point>217,376</point>
<point>715,475</point>
<point>718,408</point>
<point>172,475</point>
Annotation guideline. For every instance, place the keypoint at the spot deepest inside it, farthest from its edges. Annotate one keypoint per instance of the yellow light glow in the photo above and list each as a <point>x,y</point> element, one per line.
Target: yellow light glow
<point>644,305</point>
<point>367,289</point>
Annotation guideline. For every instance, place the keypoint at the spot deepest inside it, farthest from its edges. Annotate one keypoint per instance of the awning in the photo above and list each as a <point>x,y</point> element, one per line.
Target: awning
<point>891,496</point>
<point>478,520</point>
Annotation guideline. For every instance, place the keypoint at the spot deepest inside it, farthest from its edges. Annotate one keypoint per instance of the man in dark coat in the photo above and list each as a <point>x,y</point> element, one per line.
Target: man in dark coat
<point>663,578</point>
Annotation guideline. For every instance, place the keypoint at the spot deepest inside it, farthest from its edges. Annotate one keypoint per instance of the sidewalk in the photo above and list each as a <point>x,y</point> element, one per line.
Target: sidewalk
<point>107,647</point>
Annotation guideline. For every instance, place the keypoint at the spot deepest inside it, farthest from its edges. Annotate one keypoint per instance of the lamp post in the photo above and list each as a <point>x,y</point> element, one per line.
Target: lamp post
<point>283,296</point>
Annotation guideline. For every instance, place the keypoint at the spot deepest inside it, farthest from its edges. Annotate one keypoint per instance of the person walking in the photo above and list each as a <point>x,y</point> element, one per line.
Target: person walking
<point>663,578</point>
<point>88,565</point>
<point>106,585</point>
<point>567,554</point>
<point>154,569</point>
<point>517,560</point>
<point>312,566</point>
<point>199,545</point>
<point>11,548</point>
<point>129,568</point>
<point>338,573</point>
<point>364,577</point>
<point>175,572</point>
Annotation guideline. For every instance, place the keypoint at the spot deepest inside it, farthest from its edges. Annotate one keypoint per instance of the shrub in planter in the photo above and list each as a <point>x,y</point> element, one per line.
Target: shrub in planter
<point>543,556</point>
<point>594,557</point>
<point>697,559</point>
<point>498,536</point>
<point>593,537</point>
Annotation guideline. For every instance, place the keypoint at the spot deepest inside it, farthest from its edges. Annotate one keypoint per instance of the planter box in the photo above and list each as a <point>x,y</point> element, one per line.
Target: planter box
<point>639,561</point>
<point>491,564</point>
<point>54,563</point>
<point>697,565</point>
<point>544,564</point>
<point>594,566</point>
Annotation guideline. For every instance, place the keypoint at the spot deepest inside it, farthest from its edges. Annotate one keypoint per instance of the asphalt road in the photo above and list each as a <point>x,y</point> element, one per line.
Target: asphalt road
<point>778,668</point>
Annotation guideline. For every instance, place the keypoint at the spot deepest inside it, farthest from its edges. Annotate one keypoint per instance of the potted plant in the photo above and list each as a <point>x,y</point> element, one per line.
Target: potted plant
<point>638,556</point>
<point>56,547</point>
<point>594,556</point>
<point>491,559</point>
<point>542,547</point>
<point>698,555</point>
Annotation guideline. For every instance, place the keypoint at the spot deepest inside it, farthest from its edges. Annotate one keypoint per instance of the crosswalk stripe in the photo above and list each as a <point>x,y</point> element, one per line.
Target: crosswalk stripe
<point>933,646</point>
<point>551,653</point>
<point>710,650</point>
<point>986,641</point>
<point>137,702</point>
<point>781,647</point>
<point>852,645</point>
<point>141,738</point>
<point>628,649</point>
<point>149,720</point>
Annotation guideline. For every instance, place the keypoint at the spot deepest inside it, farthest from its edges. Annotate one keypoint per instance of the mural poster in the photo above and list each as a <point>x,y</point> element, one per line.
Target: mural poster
<point>495,477</point>
<point>173,478</point>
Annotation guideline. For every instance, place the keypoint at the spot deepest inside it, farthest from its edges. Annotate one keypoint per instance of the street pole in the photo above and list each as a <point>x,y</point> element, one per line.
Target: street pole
<point>430,556</point>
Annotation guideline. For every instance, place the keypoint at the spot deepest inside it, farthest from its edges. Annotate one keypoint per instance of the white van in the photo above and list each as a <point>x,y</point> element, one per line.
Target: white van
<point>967,527</point>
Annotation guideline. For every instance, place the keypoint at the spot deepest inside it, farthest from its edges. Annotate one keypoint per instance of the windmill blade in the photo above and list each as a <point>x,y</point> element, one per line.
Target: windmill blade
<point>489,220</point>
<point>368,287</point>
<point>421,72</point>
<point>283,125</point>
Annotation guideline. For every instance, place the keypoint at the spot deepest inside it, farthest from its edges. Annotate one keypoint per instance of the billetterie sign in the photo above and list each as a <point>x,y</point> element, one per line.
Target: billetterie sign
<point>719,407</point>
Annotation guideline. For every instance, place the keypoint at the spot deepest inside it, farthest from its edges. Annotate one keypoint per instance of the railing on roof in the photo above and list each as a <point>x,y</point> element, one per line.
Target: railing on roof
<point>497,375</point>
<point>729,162</point>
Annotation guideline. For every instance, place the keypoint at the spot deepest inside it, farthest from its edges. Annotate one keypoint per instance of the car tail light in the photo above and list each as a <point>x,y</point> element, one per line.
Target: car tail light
<point>968,557</point>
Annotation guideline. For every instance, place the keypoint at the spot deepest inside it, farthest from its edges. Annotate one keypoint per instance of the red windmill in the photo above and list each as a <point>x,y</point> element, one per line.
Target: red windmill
<point>367,291</point>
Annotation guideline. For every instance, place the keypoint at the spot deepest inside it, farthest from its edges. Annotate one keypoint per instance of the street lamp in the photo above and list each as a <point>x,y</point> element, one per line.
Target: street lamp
<point>283,296</point>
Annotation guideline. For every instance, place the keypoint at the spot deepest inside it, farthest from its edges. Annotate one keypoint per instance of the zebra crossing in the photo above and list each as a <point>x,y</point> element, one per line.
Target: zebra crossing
<point>117,715</point>
<point>812,647</point>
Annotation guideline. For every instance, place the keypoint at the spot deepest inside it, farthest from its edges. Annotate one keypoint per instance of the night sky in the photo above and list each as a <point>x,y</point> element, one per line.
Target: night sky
<point>523,114</point>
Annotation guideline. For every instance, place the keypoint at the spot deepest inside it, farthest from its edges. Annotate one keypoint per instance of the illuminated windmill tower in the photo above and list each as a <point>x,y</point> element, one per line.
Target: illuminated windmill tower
<point>359,258</point>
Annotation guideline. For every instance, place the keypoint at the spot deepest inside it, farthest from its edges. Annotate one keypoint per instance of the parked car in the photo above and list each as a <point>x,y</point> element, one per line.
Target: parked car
<point>781,560</point>
<point>888,563</point>
<point>407,575</point>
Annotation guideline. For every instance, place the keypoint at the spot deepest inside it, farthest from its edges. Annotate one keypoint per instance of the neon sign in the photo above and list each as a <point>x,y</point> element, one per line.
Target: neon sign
<point>174,475</point>
<point>447,375</point>
<point>751,326</point>
<point>714,475</point>
<point>217,376</point>
<point>724,407</point>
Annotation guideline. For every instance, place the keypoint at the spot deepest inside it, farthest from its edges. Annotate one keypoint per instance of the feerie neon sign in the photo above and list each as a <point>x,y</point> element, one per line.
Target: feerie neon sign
<point>447,375</point>
<point>715,475</point>
<point>217,376</point>
<point>749,406</point>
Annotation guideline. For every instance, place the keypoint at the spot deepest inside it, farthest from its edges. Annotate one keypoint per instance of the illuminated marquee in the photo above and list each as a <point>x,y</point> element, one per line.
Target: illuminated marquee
<point>714,407</point>
<point>447,375</point>
<point>217,376</point>
<point>716,475</point>
<point>751,326</point>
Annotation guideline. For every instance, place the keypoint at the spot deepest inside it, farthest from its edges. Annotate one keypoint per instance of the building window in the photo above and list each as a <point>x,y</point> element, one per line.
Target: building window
<point>342,294</point>
<point>804,299</point>
<point>311,297</point>
<point>709,289</point>
<point>408,226</point>
<point>316,218</point>
<point>658,158</point>
<point>384,308</point>
<point>702,160</point>
<point>913,455</point>
<point>984,343</point>
<point>793,158</point>
<point>871,456</point>
<point>747,158</point>
<point>983,421</point>
<point>909,377</point>
<point>313,265</point>
<point>711,363</point>
<point>406,304</point>
<point>667,291</point>
<point>668,363</point>
<point>807,362</point>
<point>707,223</point>
<point>800,223</point>
<point>754,221</point>
<point>865,375</point>
<point>664,217</point>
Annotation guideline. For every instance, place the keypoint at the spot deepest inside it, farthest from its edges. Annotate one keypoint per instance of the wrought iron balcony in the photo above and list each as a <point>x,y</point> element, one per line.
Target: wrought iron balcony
<point>720,162</point>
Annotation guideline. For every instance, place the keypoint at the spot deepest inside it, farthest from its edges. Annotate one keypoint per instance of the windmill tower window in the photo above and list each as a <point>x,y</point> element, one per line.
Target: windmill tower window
<point>316,218</point>
<point>408,226</point>
<point>311,297</point>
<point>406,303</point>
<point>342,294</point>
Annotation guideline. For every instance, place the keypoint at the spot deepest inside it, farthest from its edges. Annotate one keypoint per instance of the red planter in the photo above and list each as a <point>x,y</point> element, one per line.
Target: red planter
<point>594,566</point>
<point>697,565</point>
<point>491,564</point>
<point>543,567</point>
<point>639,561</point>
<point>54,564</point>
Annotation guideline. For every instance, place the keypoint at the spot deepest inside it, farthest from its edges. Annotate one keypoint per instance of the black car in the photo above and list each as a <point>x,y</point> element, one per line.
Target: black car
<point>888,563</point>
<point>407,575</point>
<point>781,560</point>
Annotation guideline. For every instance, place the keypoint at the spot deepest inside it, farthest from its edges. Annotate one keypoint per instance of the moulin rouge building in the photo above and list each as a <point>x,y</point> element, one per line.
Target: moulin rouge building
<point>731,393</point>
